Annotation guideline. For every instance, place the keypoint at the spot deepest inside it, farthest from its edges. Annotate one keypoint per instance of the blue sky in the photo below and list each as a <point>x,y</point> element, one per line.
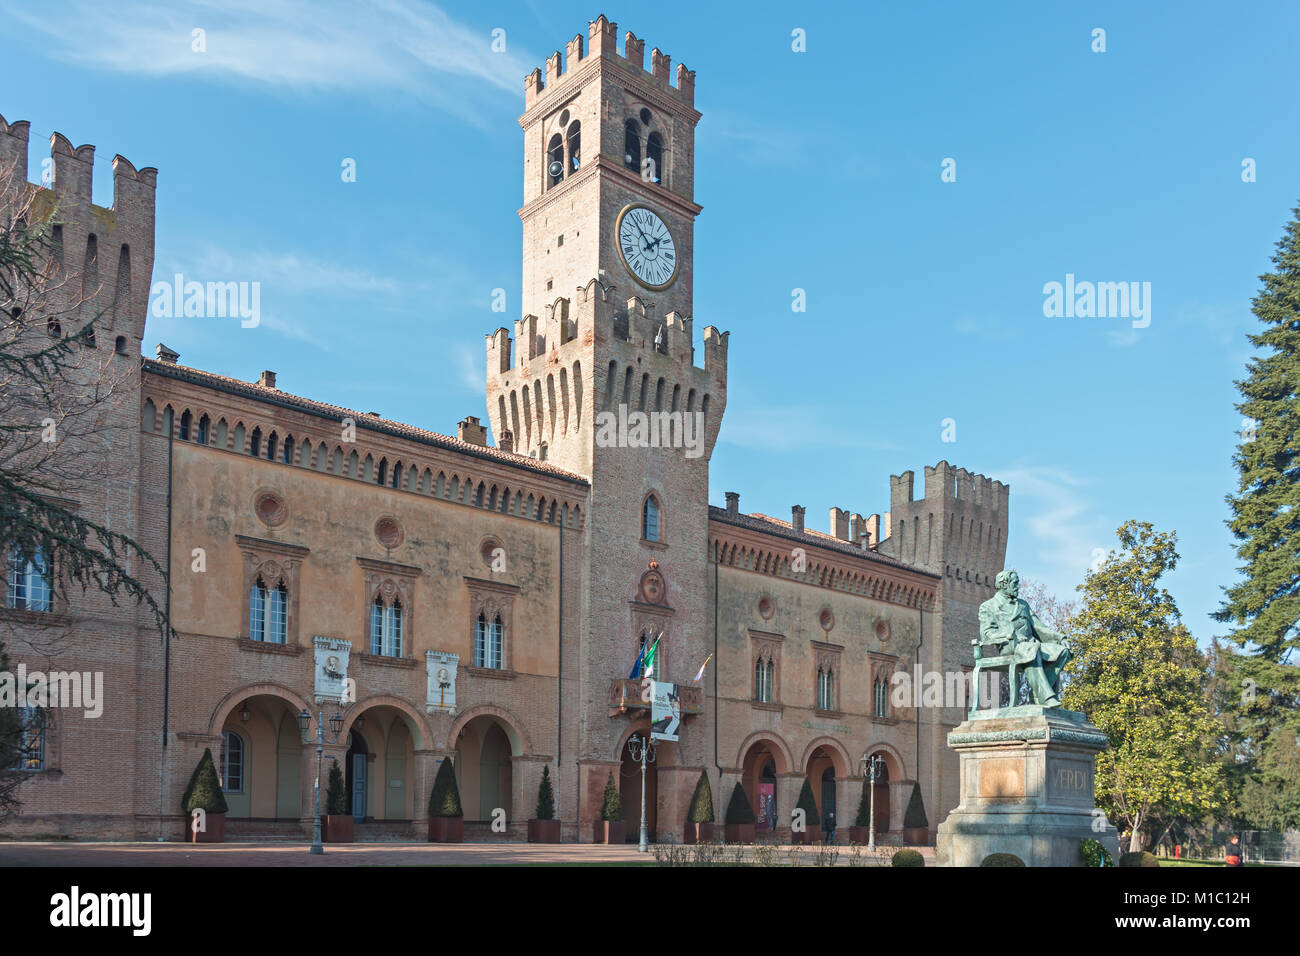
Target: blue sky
<point>924,298</point>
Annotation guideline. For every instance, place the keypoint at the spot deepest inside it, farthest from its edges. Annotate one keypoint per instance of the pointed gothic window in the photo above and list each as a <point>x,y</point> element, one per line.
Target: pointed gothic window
<point>555,161</point>
<point>575,146</point>
<point>654,156</point>
<point>632,145</point>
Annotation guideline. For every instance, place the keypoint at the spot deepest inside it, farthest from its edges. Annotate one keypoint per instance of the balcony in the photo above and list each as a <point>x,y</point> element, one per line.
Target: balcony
<point>625,697</point>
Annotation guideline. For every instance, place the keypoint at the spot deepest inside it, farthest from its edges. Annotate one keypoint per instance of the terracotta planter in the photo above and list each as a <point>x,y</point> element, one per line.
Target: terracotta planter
<point>446,829</point>
<point>543,831</point>
<point>338,828</point>
<point>609,831</point>
<point>739,832</point>
<point>916,836</point>
<point>806,838</point>
<point>699,833</point>
<point>215,831</point>
<point>860,835</point>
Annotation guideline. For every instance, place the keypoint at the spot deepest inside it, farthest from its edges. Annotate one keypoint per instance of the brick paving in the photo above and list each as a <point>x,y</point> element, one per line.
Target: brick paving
<point>353,854</point>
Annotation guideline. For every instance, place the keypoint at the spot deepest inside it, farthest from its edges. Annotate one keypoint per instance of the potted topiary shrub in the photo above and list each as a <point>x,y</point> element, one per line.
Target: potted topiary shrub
<point>610,828</point>
<point>446,820</point>
<point>1002,859</point>
<point>544,828</point>
<point>811,820</point>
<point>916,828</point>
<point>338,822</point>
<point>739,821</point>
<point>907,858</point>
<point>699,815</point>
<point>860,832</point>
<point>204,794</point>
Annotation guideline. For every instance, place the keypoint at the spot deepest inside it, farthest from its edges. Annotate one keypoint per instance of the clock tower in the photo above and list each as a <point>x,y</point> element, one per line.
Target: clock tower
<point>606,337</point>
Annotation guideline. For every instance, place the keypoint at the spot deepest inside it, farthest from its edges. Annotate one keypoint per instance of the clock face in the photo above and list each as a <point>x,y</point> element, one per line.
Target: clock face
<point>646,247</point>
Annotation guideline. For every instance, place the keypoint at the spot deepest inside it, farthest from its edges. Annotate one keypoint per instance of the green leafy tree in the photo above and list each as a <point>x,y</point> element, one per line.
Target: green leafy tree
<point>808,805</point>
<point>701,808</point>
<point>444,801</point>
<point>1139,676</point>
<point>611,808</point>
<point>1264,605</point>
<point>204,789</point>
<point>336,796</point>
<point>545,796</point>
<point>738,808</point>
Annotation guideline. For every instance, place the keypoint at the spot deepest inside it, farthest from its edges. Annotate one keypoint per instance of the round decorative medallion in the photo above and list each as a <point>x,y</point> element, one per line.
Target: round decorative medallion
<point>653,588</point>
<point>493,554</point>
<point>882,631</point>
<point>827,620</point>
<point>270,509</point>
<point>389,532</point>
<point>766,608</point>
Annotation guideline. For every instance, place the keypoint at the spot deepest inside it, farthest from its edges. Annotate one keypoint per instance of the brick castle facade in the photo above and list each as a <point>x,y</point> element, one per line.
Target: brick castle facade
<point>542,563</point>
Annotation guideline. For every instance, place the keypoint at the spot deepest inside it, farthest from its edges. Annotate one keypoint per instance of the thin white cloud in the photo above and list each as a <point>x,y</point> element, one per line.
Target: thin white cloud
<point>788,428</point>
<point>1063,526</point>
<point>471,369</point>
<point>362,47</point>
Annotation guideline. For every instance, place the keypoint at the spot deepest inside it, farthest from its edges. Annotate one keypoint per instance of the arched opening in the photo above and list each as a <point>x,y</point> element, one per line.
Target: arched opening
<point>758,778</point>
<point>654,156</point>
<point>629,792</point>
<point>575,146</point>
<point>821,777</point>
<point>484,768</point>
<point>261,759</point>
<point>632,145</point>
<point>882,790</point>
<point>651,527</point>
<point>555,161</point>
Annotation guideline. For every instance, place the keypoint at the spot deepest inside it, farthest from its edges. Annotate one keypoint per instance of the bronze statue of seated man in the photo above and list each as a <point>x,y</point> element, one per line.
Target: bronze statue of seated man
<point>1039,651</point>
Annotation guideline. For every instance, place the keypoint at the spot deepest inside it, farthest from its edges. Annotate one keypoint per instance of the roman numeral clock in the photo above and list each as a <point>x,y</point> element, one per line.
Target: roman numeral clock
<point>646,246</point>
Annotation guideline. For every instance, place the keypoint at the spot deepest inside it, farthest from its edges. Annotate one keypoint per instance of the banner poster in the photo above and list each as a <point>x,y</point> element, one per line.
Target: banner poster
<point>665,710</point>
<point>767,806</point>
<point>441,669</point>
<point>331,667</point>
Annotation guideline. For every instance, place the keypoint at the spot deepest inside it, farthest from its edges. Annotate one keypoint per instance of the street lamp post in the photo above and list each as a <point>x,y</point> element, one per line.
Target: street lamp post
<point>643,752</point>
<point>870,769</point>
<point>336,728</point>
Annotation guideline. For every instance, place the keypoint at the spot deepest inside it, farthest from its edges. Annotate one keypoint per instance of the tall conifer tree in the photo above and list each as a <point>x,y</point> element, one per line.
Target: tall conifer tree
<point>1265,604</point>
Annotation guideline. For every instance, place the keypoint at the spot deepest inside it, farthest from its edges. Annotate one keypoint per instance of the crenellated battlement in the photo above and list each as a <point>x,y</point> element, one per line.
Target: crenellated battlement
<point>111,248</point>
<point>595,352</point>
<point>602,42</point>
<point>958,527</point>
<point>594,314</point>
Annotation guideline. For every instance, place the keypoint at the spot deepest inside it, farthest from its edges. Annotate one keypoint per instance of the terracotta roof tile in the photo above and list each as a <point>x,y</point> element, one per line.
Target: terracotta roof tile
<point>766,523</point>
<point>363,420</point>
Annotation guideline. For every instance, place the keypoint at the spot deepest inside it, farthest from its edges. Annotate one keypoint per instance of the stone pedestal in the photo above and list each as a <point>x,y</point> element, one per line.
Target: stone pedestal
<point>1026,788</point>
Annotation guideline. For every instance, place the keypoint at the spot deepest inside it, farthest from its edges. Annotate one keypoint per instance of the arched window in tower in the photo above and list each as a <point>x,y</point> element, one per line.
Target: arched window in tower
<point>381,475</point>
<point>650,519</point>
<point>205,424</point>
<point>186,418</point>
<point>286,453</point>
<point>632,145</point>
<point>255,443</point>
<point>555,161</point>
<point>575,146</point>
<point>270,447</point>
<point>654,157</point>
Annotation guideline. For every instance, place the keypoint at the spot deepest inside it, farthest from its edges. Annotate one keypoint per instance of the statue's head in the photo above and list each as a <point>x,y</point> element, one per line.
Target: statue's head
<point>1008,582</point>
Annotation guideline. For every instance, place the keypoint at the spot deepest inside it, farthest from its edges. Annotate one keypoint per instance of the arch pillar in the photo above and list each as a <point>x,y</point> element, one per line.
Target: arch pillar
<point>422,775</point>
<point>787,797</point>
